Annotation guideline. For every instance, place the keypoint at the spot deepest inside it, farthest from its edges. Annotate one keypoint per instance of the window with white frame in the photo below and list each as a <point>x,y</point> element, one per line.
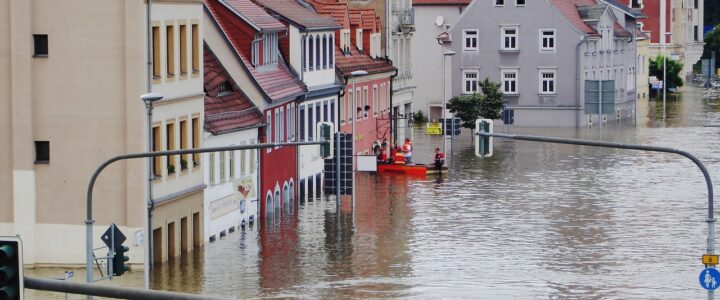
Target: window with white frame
<point>547,40</point>
<point>359,39</point>
<point>509,81</point>
<point>375,100</point>
<point>269,130</point>
<point>519,2</point>
<point>499,2</point>
<point>509,38</point>
<point>470,36</point>
<point>547,82</point>
<point>470,82</point>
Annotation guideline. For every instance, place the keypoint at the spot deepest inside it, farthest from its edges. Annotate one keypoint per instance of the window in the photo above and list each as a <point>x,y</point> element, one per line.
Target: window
<point>183,144</point>
<point>311,124</point>
<point>302,123</point>
<point>359,39</point>
<point>547,40</point>
<point>311,50</point>
<point>183,49</point>
<point>696,4</point>
<point>636,4</point>
<point>42,152</point>
<point>317,116</point>
<point>170,47</point>
<point>252,160</point>
<point>211,170</point>
<point>547,82</point>
<point>375,100</point>
<point>696,33</point>
<point>195,49</point>
<point>243,166</point>
<point>471,40</point>
<point>325,111</point>
<point>170,142</point>
<point>157,146</point>
<point>470,82</point>
<point>365,101</point>
<point>40,45</point>
<point>325,52</point>
<point>509,38</point>
<point>509,81</point>
<point>499,2</point>
<point>231,163</point>
<point>270,49</point>
<point>519,2</point>
<point>277,126</point>
<point>222,166</point>
<point>196,139</point>
<point>332,112</point>
<point>331,52</point>
<point>349,103</point>
<point>282,125</point>
<point>269,130</point>
<point>317,52</point>
<point>156,51</point>
<point>304,51</point>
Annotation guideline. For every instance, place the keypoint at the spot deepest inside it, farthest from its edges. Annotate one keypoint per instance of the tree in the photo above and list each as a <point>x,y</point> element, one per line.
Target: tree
<point>712,42</point>
<point>472,107</point>
<point>674,68</point>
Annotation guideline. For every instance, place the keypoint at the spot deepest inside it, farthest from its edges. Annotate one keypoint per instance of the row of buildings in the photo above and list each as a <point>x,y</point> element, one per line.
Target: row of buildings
<point>231,72</point>
<point>546,53</point>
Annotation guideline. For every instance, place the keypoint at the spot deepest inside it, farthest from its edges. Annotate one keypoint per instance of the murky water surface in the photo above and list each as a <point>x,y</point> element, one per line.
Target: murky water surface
<point>534,221</point>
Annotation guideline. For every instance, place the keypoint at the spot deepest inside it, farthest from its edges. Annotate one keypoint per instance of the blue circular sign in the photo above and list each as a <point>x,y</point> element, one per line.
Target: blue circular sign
<point>710,279</point>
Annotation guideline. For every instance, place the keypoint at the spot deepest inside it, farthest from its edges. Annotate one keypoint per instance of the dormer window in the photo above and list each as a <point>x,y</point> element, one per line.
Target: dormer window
<point>359,39</point>
<point>265,51</point>
<point>225,88</point>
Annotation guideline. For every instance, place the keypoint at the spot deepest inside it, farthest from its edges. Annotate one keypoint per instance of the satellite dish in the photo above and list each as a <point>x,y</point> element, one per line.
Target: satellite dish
<point>439,21</point>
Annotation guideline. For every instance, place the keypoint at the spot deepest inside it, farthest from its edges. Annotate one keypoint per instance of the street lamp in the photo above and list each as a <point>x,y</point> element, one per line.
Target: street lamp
<point>353,75</point>
<point>446,54</point>
<point>149,99</point>
<point>665,81</point>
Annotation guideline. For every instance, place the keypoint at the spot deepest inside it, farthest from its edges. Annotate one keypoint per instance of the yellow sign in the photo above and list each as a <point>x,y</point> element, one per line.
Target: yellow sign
<point>433,128</point>
<point>710,259</point>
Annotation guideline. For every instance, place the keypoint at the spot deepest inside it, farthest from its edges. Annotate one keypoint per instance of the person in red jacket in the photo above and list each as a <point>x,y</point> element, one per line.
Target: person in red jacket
<point>439,159</point>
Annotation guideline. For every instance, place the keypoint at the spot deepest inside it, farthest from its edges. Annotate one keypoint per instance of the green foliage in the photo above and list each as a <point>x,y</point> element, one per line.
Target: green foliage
<point>674,68</point>
<point>418,117</point>
<point>487,105</point>
<point>712,43</point>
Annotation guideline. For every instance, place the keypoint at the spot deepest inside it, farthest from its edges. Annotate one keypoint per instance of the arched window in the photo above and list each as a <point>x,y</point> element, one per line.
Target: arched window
<point>317,52</point>
<point>277,202</point>
<point>286,198</point>
<point>311,50</point>
<point>268,206</point>
<point>292,195</point>
<point>331,52</point>
<point>304,53</point>
<point>325,52</point>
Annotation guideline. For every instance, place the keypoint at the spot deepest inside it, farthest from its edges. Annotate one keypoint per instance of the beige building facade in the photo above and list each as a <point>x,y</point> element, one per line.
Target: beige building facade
<point>69,100</point>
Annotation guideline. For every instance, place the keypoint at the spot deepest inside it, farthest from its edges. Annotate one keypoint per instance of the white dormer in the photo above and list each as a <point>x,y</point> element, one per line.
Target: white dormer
<point>359,38</point>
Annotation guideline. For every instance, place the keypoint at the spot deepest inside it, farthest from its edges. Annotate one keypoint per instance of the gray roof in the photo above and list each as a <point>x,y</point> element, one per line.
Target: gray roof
<point>632,12</point>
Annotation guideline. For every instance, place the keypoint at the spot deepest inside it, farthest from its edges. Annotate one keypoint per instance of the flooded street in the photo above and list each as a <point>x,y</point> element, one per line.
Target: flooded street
<point>534,221</point>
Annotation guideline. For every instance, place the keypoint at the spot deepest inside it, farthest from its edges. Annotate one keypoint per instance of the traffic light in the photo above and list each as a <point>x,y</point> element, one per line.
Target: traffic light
<point>11,269</point>
<point>119,260</point>
<point>483,144</point>
<point>325,132</point>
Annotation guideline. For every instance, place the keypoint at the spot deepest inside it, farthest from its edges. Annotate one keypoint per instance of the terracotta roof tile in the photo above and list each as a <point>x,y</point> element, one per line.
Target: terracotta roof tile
<point>298,14</point>
<point>357,61</point>
<point>278,83</point>
<point>227,110</point>
<point>253,15</point>
<point>568,8</point>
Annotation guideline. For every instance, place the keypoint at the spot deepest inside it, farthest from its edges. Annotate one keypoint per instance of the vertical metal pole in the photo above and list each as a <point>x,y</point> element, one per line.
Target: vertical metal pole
<point>89,244</point>
<point>151,175</point>
<point>665,81</point>
<point>600,92</point>
<point>711,246</point>
<point>444,102</point>
<point>354,112</point>
<point>112,251</point>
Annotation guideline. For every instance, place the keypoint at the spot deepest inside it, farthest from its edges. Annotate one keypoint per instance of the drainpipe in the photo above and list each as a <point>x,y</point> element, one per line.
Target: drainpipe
<point>151,203</point>
<point>578,81</point>
<point>635,58</point>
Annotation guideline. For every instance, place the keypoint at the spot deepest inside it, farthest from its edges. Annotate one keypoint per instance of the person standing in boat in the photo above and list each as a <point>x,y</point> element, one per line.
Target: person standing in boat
<point>439,159</point>
<point>399,157</point>
<point>407,149</point>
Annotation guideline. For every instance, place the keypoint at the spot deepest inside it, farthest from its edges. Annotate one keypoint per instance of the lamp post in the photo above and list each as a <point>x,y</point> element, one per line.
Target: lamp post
<point>444,96</point>
<point>149,99</point>
<point>665,81</point>
<point>354,112</point>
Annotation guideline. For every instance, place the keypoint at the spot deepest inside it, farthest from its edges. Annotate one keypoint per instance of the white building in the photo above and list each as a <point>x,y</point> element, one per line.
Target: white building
<point>231,200</point>
<point>399,33</point>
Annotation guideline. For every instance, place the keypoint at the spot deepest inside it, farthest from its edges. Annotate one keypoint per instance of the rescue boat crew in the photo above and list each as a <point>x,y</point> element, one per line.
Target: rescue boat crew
<point>407,148</point>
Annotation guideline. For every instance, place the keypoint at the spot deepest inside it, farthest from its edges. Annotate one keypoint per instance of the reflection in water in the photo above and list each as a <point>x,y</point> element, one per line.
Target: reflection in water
<point>534,221</point>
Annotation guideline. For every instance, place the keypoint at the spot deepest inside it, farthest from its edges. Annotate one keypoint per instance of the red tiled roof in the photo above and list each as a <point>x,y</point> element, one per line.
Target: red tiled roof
<point>231,110</point>
<point>253,15</point>
<point>298,14</point>
<point>357,61</point>
<point>441,2</point>
<point>568,8</point>
<point>278,83</point>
